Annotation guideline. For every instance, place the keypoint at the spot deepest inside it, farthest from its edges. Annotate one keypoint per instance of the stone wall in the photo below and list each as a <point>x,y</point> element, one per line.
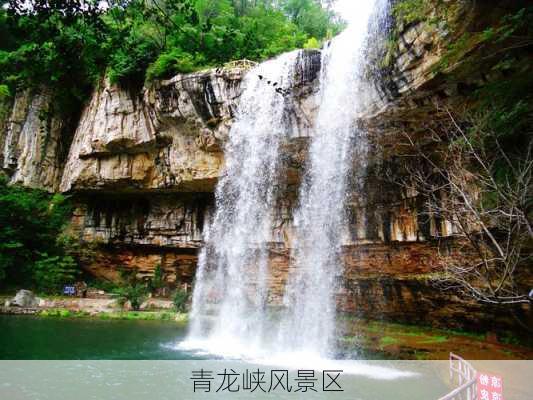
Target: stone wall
<point>112,262</point>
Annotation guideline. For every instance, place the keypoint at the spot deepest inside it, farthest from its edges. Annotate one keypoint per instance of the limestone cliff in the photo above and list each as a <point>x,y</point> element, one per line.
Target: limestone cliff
<point>168,137</point>
<point>32,143</point>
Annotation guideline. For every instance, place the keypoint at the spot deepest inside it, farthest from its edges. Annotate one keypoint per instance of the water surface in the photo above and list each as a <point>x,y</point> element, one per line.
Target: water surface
<point>47,338</point>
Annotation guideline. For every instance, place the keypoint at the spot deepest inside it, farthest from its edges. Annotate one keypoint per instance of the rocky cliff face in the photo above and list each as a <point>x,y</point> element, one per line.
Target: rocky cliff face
<point>32,143</point>
<point>168,137</point>
<point>143,167</point>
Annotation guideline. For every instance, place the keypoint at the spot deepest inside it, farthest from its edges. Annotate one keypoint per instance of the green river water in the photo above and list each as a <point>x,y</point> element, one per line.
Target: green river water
<point>33,338</point>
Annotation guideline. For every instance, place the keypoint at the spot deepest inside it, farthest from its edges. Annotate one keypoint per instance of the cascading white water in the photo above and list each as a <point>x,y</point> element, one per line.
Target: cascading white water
<point>231,282</point>
<point>229,314</point>
<point>320,220</point>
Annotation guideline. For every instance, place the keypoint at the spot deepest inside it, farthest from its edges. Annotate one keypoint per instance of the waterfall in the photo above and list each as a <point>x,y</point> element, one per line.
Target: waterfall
<point>231,281</point>
<point>320,220</point>
<point>229,311</point>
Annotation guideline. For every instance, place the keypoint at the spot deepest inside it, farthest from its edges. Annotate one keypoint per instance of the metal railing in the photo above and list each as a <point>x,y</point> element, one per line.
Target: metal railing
<point>465,376</point>
<point>242,64</point>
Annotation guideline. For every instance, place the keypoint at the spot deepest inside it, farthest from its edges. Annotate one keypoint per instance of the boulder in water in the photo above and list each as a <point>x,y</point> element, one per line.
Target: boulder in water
<point>24,298</point>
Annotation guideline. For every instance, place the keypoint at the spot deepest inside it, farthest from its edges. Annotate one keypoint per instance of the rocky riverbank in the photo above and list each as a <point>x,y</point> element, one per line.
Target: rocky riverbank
<point>27,303</point>
<point>169,316</point>
<point>370,339</point>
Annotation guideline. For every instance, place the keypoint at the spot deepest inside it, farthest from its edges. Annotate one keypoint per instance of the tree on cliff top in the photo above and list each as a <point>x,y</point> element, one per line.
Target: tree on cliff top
<point>67,45</point>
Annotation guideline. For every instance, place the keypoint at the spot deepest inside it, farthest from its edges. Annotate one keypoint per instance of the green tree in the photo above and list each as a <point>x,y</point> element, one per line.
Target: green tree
<point>135,293</point>
<point>52,43</point>
<point>312,43</point>
<point>311,17</point>
<point>52,272</point>
<point>31,222</point>
<point>68,45</point>
<point>157,281</point>
<point>181,297</point>
<point>133,41</point>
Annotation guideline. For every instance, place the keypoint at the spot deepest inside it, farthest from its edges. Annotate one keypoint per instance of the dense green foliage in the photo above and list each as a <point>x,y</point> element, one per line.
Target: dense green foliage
<point>181,297</point>
<point>32,248</point>
<point>502,107</point>
<point>58,44</point>
<point>134,293</point>
<point>51,272</point>
<point>408,11</point>
<point>69,44</point>
<point>157,281</point>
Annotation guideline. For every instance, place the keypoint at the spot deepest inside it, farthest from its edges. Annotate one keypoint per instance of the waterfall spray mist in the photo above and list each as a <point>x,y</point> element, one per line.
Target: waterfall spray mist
<point>229,300</point>
<point>320,220</point>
